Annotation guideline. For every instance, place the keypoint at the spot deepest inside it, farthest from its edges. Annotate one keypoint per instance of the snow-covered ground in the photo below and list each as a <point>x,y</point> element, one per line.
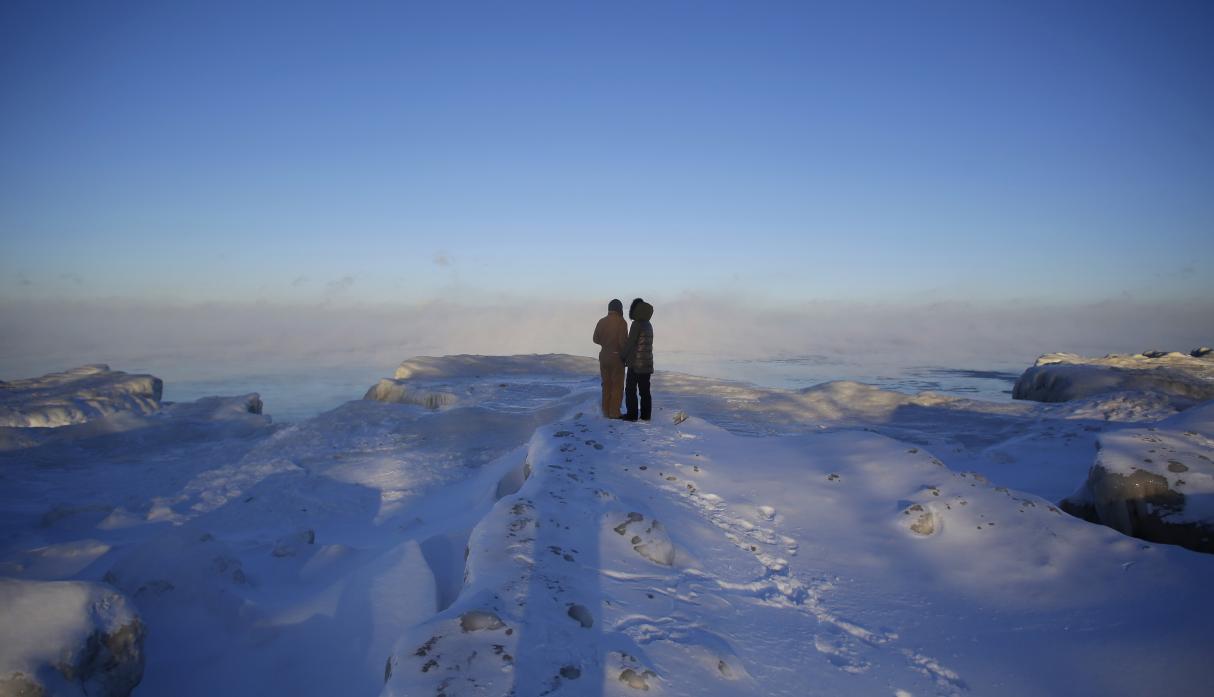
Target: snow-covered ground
<point>473,527</point>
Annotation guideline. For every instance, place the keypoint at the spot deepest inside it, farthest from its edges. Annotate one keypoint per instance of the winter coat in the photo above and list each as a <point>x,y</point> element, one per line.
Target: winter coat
<point>638,354</point>
<point>612,334</point>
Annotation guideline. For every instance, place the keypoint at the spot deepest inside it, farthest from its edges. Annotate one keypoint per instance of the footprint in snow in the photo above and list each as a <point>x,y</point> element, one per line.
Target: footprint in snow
<point>581,615</point>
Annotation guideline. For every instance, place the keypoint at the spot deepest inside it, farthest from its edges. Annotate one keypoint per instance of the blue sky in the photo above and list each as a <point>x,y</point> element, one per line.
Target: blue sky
<point>401,152</point>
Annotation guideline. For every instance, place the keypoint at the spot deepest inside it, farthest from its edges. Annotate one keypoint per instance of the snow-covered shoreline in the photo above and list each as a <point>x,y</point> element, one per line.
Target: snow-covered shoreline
<point>472,527</point>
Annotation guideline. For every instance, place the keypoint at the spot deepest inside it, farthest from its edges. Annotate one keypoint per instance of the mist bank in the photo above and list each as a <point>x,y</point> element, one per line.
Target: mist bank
<point>204,339</point>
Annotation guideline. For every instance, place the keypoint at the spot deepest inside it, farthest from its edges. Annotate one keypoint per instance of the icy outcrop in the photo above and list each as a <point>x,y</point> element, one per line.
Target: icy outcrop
<point>67,637</point>
<point>400,392</point>
<point>1061,377</point>
<point>1155,483</point>
<point>507,383</point>
<point>468,366</point>
<point>208,418</point>
<point>76,396</point>
<point>217,408</point>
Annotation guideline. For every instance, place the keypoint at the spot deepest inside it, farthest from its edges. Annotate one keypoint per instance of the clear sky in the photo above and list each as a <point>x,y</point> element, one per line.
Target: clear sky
<point>405,151</point>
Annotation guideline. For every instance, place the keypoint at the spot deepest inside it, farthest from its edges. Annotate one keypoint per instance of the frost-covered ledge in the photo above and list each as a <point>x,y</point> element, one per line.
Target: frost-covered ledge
<point>439,382</point>
<point>1060,377</point>
<point>76,396</point>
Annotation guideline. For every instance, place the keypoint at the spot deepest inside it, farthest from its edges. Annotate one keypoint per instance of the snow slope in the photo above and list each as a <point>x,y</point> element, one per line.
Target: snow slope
<point>693,561</point>
<point>506,540</point>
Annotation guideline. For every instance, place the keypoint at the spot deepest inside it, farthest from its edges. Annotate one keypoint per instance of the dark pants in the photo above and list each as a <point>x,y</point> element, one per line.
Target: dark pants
<point>634,382</point>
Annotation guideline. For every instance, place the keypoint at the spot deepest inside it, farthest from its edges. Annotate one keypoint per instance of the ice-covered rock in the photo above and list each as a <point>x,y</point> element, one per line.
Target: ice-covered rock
<point>217,408</point>
<point>507,383</point>
<point>67,638</point>
<point>465,366</point>
<point>1156,483</point>
<point>174,423</point>
<point>400,392</point>
<point>76,396</point>
<point>1060,377</point>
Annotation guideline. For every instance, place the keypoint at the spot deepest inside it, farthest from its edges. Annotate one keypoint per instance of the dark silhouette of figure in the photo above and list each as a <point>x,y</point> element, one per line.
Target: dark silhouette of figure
<point>638,357</point>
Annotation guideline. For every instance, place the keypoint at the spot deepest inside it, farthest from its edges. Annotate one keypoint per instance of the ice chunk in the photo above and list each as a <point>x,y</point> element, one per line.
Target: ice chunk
<point>398,392</point>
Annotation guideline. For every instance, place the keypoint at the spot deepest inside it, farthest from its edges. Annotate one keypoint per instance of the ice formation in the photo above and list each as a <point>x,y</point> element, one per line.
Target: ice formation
<point>75,396</point>
<point>504,539</point>
<point>1060,377</point>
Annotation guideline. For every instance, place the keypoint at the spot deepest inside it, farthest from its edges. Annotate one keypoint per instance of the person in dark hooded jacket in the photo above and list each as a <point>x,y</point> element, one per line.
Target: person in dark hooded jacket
<point>638,357</point>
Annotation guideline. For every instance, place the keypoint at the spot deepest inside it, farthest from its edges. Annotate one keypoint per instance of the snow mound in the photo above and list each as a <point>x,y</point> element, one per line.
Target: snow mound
<point>1120,406</point>
<point>62,637</point>
<point>466,366</point>
<point>1156,483</point>
<point>217,408</point>
<point>844,399</point>
<point>1060,377</point>
<point>398,392</point>
<point>76,396</point>
<point>504,383</point>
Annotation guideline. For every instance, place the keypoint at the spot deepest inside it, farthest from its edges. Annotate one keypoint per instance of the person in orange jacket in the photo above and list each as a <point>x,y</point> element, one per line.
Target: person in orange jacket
<point>611,333</point>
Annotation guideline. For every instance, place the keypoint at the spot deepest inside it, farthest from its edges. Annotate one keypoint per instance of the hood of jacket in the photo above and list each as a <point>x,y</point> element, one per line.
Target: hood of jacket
<point>643,311</point>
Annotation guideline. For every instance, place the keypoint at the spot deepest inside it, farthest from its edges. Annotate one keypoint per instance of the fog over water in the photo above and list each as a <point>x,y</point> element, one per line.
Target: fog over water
<point>307,359</point>
<point>291,396</point>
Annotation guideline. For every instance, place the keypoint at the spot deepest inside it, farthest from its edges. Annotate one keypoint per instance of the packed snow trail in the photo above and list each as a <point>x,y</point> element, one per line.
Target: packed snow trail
<point>681,559</point>
<point>583,583</point>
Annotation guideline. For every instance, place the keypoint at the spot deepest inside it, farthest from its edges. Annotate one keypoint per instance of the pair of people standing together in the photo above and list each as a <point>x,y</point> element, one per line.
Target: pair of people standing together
<point>622,348</point>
